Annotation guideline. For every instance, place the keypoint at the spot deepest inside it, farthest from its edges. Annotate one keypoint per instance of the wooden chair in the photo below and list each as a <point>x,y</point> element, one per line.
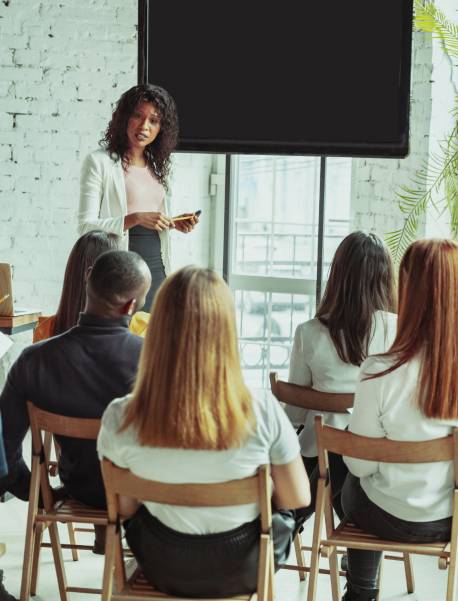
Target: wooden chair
<point>349,536</point>
<point>44,424</point>
<point>314,400</point>
<point>256,489</point>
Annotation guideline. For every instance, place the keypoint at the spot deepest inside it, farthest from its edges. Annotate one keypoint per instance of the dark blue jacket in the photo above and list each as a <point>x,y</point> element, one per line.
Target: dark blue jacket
<point>77,373</point>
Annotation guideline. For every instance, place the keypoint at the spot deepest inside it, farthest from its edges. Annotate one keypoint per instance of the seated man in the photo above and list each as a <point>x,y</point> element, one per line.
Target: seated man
<point>4,595</point>
<point>77,374</point>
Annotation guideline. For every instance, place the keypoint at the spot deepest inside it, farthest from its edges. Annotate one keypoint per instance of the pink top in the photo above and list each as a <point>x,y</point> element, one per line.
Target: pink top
<point>143,191</point>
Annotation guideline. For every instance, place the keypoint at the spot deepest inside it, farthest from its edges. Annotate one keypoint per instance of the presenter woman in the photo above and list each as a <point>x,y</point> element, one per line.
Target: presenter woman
<point>123,184</point>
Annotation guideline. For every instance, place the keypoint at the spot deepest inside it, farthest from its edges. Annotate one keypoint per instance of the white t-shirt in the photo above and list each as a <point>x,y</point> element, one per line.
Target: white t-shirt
<point>316,363</point>
<point>273,441</point>
<point>387,407</point>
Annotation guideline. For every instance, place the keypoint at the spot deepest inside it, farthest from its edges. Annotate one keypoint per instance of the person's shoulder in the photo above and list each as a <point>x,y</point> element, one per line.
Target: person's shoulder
<point>375,364</point>
<point>114,413</point>
<point>134,338</point>
<point>265,407</point>
<point>311,327</point>
<point>386,317</point>
<point>100,156</point>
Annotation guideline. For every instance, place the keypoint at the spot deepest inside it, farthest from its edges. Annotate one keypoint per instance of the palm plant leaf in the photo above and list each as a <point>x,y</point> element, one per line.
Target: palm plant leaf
<point>430,19</point>
<point>438,176</point>
<point>436,182</point>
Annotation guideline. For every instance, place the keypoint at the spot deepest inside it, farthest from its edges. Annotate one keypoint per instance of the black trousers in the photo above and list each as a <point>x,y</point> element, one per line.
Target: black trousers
<point>211,565</point>
<point>363,566</point>
<point>337,471</point>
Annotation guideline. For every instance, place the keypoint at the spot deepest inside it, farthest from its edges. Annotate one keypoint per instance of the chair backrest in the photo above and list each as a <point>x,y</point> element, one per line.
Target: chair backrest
<point>255,489</point>
<point>383,450</point>
<point>307,398</point>
<point>43,425</point>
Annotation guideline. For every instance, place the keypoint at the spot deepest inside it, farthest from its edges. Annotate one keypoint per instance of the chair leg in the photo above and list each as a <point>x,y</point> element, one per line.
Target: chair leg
<point>271,593</point>
<point>72,539</point>
<point>263,568</point>
<point>334,573</point>
<point>379,579</point>
<point>58,561</point>
<point>36,558</point>
<point>410,580</point>
<point>110,548</point>
<point>452,573</point>
<point>31,531</point>
<point>299,556</point>
<point>316,542</point>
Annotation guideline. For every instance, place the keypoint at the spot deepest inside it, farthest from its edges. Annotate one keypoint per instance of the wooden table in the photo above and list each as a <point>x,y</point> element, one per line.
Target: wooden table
<point>19,323</point>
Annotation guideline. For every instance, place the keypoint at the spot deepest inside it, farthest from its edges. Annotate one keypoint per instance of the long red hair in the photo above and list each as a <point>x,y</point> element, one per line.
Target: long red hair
<point>428,324</point>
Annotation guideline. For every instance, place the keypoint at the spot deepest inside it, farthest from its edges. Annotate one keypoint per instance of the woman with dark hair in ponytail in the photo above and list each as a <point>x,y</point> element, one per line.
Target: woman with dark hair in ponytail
<point>123,184</point>
<point>353,321</point>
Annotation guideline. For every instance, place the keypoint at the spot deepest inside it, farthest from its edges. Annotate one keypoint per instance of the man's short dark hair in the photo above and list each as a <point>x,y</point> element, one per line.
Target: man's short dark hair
<point>117,276</point>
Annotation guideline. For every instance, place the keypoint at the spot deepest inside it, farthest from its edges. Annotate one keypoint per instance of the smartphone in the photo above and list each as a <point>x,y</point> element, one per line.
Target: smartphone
<point>196,213</point>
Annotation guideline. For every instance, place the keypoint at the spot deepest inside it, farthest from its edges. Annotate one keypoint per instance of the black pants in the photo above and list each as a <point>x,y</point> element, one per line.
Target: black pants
<point>147,244</point>
<point>212,565</point>
<point>363,566</point>
<point>338,472</point>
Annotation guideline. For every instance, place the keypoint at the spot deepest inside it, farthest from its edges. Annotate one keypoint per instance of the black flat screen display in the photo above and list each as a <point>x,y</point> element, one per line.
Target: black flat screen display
<point>290,77</point>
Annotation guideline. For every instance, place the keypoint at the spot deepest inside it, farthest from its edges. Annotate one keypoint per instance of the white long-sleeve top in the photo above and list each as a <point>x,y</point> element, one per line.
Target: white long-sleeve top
<point>387,407</point>
<point>316,363</point>
<point>103,202</point>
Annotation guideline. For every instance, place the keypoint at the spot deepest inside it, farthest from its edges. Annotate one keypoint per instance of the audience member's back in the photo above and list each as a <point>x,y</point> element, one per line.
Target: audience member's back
<point>78,373</point>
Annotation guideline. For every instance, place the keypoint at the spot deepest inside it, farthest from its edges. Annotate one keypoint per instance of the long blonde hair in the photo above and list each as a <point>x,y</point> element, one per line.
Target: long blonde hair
<point>428,324</point>
<point>190,391</point>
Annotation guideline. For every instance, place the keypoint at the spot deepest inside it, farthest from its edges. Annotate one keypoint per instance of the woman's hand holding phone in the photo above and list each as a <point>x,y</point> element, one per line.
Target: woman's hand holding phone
<point>186,222</point>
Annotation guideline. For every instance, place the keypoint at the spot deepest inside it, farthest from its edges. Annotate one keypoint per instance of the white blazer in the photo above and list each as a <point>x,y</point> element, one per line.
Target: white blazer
<point>103,203</point>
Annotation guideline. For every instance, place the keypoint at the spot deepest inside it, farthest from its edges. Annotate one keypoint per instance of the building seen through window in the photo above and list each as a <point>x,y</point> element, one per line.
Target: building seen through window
<point>274,242</point>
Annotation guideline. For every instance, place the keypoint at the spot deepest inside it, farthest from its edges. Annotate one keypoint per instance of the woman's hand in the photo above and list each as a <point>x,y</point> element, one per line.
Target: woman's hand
<point>186,225</point>
<point>154,221</point>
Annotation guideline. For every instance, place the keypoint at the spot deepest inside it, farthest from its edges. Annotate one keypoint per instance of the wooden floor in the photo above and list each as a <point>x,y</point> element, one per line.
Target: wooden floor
<point>430,581</point>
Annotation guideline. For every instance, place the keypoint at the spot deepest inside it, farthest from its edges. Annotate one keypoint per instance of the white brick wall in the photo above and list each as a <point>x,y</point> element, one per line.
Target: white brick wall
<point>375,181</point>
<point>62,66</point>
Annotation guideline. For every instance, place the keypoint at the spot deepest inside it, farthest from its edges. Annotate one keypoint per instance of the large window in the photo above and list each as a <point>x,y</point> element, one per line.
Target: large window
<point>288,215</point>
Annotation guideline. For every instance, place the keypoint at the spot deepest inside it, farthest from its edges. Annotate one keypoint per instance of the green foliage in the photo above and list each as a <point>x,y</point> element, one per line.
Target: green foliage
<point>436,182</point>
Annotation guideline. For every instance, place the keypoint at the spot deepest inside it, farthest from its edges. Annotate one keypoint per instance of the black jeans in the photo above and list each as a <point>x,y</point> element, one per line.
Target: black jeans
<point>337,471</point>
<point>363,566</point>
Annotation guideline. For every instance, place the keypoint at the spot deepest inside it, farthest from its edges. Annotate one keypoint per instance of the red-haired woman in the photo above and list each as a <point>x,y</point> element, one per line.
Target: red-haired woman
<point>123,184</point>
<point>409,393</point>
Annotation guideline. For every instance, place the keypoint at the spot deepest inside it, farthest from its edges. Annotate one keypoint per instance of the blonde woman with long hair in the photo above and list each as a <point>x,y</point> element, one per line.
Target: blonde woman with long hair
<point>190,419</point>
<point>408,393</point>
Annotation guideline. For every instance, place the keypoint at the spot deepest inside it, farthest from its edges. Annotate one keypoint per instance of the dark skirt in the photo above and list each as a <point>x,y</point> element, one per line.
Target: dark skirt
<point>207,565</point>
<point>147,244</point>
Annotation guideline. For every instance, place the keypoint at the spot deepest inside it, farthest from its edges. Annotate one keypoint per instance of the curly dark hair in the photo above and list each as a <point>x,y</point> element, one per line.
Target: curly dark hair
<point>157,154</point>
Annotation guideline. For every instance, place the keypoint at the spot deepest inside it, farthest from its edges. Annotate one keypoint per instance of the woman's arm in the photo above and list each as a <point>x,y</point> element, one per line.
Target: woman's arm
<point>127,506</point>
<point>299,373</point>
<point>291,485</point>
<point>365,421</point>
<point>91,194</point>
